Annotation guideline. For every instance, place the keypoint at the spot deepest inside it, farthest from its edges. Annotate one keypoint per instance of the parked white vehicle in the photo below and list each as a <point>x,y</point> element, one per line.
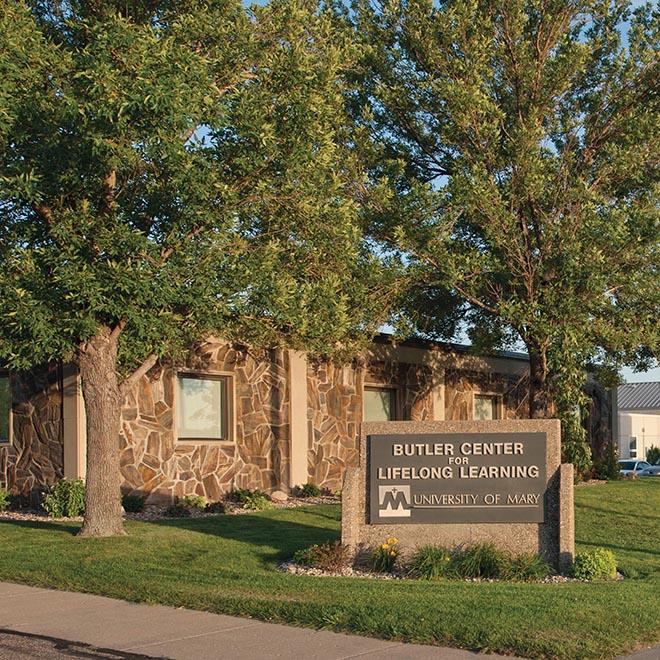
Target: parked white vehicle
<point>630,467</point>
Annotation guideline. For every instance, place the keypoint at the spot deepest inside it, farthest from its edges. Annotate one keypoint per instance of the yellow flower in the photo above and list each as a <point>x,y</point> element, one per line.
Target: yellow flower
<point>384,546</point>
<point>392,540</point>
<point>392,553</point>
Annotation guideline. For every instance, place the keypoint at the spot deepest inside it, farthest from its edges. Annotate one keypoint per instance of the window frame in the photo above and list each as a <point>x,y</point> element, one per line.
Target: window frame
<point>10,420</point>
<point>394,398</point>
<point>230,420</point>
<point>499,405</point>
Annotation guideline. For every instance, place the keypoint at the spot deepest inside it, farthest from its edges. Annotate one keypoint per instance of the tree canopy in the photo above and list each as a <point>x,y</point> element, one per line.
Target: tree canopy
<point>170,169</point>
<point>521,141</point>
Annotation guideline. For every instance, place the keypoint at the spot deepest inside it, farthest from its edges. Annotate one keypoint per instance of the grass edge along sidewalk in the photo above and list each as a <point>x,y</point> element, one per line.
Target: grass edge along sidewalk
<point>228,564</point>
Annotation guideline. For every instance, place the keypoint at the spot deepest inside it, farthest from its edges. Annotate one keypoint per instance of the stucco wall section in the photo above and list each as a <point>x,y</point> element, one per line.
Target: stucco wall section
<point>153,462</point>
<point>34,459</point>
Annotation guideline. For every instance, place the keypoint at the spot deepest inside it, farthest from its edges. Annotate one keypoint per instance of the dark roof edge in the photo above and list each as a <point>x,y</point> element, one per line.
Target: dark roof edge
<point>421,342</point>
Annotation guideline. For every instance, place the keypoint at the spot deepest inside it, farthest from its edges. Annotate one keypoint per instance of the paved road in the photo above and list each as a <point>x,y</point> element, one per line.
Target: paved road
<point>43,623</point>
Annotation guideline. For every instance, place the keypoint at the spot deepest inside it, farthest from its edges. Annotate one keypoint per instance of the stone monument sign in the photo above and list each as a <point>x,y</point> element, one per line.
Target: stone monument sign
<point>452,483</point>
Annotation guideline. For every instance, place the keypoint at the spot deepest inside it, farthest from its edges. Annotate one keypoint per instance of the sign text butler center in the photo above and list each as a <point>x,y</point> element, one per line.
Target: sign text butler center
<point>455,483</point>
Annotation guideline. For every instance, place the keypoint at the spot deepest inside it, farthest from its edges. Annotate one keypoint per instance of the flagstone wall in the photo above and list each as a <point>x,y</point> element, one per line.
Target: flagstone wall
<point>153,462</point>
<point>462,384</point>
<point>34,459</point>
<point>334,399</point>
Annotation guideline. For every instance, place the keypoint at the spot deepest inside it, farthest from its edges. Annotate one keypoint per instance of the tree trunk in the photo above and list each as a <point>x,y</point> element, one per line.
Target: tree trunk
<point>541,394</point>
<point>98,374</point>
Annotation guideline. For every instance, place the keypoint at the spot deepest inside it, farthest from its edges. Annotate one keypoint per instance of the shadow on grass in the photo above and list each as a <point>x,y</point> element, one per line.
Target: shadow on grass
<point>64,527</point>
<point>614,512</point>
<point>274,539</point>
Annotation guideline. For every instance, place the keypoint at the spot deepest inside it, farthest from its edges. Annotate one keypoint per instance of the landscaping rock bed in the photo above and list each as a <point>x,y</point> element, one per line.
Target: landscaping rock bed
<point>349,571</point>
<point>155,512</point>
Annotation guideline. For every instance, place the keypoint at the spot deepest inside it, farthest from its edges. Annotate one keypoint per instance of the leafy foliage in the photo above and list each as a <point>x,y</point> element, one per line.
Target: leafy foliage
<point>385,556</point>
<point>527,567</point>
<point>194,501</point>
<point>171,170</point>
<point>328,556</point>
<point>430,562</point>
<point>257,501</point>
<point>310,490</point>
<point>5,499</point>
<point>653,455</point>
<point>433,562</point>
<point>521,142</point>
<point>66,499</point>
<point>608,467</point>
<point>133,503</point>
<point>595,564</point>
<point>482,560</point>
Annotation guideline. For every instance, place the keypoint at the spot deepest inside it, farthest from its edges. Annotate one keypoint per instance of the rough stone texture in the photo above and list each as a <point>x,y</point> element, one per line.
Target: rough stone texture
<point>334,400</point>
<point>34,459</point>
<point>413,383</point>
<point>566,518</point>
<point>460,384</point>
<point>153,463</point>
<point>543,538</point>
<point>334,413</point>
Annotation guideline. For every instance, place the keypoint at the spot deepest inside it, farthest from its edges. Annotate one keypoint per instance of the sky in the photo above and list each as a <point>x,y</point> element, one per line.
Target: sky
<point>631,377</point>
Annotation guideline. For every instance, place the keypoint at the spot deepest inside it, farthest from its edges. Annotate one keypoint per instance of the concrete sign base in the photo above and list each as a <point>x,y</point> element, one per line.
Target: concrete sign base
<point>453,483</point>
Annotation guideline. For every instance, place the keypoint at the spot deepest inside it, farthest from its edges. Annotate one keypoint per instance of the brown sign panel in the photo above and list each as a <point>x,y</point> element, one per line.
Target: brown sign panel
<point>457,478</point>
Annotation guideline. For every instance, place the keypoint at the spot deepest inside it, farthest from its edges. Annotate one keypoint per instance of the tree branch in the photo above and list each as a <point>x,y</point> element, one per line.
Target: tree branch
<point>130,382</point>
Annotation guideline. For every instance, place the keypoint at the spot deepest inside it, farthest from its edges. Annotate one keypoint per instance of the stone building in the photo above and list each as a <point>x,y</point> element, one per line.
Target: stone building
<point>233,417</point>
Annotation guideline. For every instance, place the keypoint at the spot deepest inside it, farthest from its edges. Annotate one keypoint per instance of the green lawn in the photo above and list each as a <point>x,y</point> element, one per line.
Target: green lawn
<point>228,564</point>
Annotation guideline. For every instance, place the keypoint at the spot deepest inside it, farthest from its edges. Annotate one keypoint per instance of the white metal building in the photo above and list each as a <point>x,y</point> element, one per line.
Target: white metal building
<point>638,418</point>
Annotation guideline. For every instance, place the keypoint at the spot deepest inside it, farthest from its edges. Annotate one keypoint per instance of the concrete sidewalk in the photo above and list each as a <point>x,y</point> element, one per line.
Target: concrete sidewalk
<point>43,623</point>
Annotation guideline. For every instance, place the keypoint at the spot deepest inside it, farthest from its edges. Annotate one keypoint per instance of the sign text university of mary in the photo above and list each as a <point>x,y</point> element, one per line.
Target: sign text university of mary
<point>457,478</point>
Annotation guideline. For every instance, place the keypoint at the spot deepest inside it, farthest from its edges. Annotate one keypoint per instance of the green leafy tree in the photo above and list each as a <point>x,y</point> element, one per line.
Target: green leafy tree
<point>169,169</point>
<point>522,140</point>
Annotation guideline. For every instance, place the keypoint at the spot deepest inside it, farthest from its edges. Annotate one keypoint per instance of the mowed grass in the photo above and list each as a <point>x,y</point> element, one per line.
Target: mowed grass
<point>228,564</point>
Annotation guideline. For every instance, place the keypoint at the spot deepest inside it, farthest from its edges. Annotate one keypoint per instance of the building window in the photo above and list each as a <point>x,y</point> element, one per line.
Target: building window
<point>633,447</point>
<point>379,404</point>
<point>486,406</point>
<point>5,408</point>
<point>203,407</point>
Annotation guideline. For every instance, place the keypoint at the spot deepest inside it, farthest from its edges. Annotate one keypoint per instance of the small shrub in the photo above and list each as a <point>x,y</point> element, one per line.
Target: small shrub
<point>384,557</point>
<point>256,502</point>
<point>310,490</point>
<point>653,455</point>
<point>482,560</point>
<point>430,562</point>
<point>133,503</point>
<point>194,502</point>
<point>66,499</point>
<point>528,567</point>
<point>178,510</point>
<point>215,507</point>
<point>240,495</point>
<point>329,556</point>
<point>4,499</point>
<point>596,564</point>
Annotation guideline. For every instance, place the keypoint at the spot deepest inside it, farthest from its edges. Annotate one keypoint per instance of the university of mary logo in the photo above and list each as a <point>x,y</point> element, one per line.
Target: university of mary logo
<point>394,501</point>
